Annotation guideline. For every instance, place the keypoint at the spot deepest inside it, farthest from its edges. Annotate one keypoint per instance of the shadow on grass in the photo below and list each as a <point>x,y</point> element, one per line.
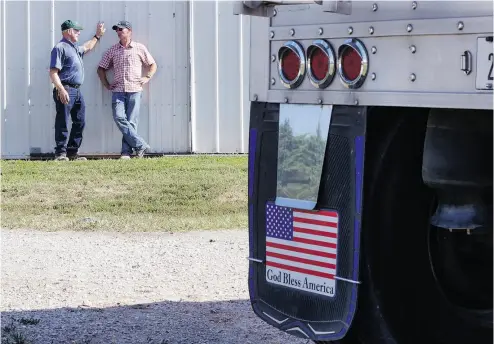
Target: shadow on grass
<point>151,323</point>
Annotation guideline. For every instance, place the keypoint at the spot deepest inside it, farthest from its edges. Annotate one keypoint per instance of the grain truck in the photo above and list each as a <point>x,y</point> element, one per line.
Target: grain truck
<point>370,169</point>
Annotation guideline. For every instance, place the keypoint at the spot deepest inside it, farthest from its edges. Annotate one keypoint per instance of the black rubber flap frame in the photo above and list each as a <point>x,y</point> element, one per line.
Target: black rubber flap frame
<point>302,313</point>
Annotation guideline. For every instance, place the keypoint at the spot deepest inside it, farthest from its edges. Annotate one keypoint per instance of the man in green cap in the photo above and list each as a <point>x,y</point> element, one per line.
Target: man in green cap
<point>67,74</point>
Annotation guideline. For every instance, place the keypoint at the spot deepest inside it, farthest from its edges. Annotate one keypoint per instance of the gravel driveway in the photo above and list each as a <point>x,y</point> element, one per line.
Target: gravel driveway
<point>152,288</point>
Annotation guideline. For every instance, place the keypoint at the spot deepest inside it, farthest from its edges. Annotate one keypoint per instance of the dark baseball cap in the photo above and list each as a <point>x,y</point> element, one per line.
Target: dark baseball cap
<point>123,24</point>
<point>71,24</point>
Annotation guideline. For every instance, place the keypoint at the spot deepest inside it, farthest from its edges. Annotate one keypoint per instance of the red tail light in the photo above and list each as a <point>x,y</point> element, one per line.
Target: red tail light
<point>291,66</point>
<point>320,63</point>
<point>353,63</point>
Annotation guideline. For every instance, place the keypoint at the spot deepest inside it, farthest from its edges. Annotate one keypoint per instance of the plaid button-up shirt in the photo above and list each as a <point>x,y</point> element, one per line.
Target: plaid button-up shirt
<point>127,64</point>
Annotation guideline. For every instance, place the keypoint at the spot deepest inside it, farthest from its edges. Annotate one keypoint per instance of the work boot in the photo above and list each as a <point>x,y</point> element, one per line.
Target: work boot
<point>61,157</point>
<point>77,157</point>
<point>140,152</point>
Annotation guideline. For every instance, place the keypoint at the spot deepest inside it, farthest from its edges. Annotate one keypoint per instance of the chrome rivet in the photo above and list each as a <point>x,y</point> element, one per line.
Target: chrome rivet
<point>488,86</point>
<point>350,30</point>
<point>275,12</point>
<point>271,34</point>
<point>374,50</point>
<point>286,100</point>
<point>356,102</point>
<point>273,81</point>
<point>273,58</point>
<point>414,5</point>
<point>409,28</point>
<point>413,49</point>
<point>255,97</point>
<point>292,32</point>
<point>461,25</point>
<point>373,76</point>
<point>374,7</point>
<point>413,77</point>
<point>320,31</point>
<point>371,30</point>
<point>319,101</point>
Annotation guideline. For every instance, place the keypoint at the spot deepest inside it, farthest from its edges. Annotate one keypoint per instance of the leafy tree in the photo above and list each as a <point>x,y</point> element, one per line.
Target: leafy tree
<point>298,156</point>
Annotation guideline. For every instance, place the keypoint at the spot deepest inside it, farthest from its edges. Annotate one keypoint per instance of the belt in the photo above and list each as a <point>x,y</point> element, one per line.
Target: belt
<point>71,85</point>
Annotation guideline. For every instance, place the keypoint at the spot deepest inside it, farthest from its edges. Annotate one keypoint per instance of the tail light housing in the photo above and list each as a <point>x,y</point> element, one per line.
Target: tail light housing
<point>291,64</point>
<point>353,63</point>
<point>320,63</point>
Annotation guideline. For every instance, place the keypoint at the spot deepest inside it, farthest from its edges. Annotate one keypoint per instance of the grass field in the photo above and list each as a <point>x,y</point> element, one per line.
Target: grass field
<point>166,194</point>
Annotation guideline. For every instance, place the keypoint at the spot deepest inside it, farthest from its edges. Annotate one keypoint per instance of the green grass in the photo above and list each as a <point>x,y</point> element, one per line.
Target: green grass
<point>169,193</point>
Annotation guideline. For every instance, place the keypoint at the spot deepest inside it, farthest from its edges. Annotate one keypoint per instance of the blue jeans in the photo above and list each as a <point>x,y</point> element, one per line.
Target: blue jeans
<point>76,110</point>
<point>125,106</point>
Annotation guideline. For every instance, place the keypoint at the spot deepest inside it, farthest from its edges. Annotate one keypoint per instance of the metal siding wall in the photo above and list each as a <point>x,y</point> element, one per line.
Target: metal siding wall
<point>219,63</point>
<point>42,114</point>
<point>220,78</point>
<point>28,110</point>
<point>2,71</point>
<point>170,120</point>
<point>229,115</point>
<point>246,61</point>
<point>15,113</point>
<point>203,78</point>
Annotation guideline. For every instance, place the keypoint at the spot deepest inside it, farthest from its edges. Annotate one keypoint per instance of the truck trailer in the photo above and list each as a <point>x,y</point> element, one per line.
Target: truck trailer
<point>370,170</point>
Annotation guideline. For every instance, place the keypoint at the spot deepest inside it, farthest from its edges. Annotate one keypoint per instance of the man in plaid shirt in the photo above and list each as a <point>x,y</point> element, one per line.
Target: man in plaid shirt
<point>126,58</point>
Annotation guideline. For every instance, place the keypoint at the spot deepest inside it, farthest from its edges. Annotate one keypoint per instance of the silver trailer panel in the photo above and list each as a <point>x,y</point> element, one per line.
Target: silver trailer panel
<point>416,57</point>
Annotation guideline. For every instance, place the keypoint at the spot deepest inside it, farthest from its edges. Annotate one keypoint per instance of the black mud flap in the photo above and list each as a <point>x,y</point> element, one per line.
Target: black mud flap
<point>301,285</point>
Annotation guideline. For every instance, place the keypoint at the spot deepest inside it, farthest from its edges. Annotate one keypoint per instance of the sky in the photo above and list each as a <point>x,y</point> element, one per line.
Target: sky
<point>304,118</point>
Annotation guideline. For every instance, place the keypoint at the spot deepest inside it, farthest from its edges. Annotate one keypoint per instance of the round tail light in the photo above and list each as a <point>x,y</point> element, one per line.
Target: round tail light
<point>353,63</point>
<point>320,63</point>
<point>291,65</point>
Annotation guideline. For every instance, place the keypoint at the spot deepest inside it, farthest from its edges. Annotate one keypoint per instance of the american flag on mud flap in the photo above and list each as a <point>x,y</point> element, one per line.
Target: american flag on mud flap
<point>301,241</point>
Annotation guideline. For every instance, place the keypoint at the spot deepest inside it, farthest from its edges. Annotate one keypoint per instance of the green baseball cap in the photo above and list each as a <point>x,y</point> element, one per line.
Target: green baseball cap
<point>71,24</point>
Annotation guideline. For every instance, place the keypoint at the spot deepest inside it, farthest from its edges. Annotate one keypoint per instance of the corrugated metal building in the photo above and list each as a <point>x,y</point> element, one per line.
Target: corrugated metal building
<point>196,102</point>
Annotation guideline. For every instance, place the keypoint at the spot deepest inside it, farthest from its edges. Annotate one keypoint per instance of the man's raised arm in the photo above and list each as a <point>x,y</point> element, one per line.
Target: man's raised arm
<point>100,31</point>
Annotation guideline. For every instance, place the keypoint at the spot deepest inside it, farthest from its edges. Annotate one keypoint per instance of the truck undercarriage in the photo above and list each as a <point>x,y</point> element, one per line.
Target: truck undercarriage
<point>421,277</point>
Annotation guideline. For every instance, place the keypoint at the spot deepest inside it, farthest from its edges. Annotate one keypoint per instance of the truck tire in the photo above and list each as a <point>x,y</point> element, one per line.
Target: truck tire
<point>401,298</point>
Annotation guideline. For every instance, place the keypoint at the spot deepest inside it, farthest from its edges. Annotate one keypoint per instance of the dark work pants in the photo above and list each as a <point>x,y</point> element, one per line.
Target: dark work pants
<point>76,110</point>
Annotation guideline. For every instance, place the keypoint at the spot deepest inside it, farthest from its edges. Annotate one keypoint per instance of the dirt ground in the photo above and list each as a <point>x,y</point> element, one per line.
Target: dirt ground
<point>129,288</point>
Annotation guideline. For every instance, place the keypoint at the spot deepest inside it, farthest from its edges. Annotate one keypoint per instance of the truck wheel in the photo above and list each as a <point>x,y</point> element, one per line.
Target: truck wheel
<point>420,284</point>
